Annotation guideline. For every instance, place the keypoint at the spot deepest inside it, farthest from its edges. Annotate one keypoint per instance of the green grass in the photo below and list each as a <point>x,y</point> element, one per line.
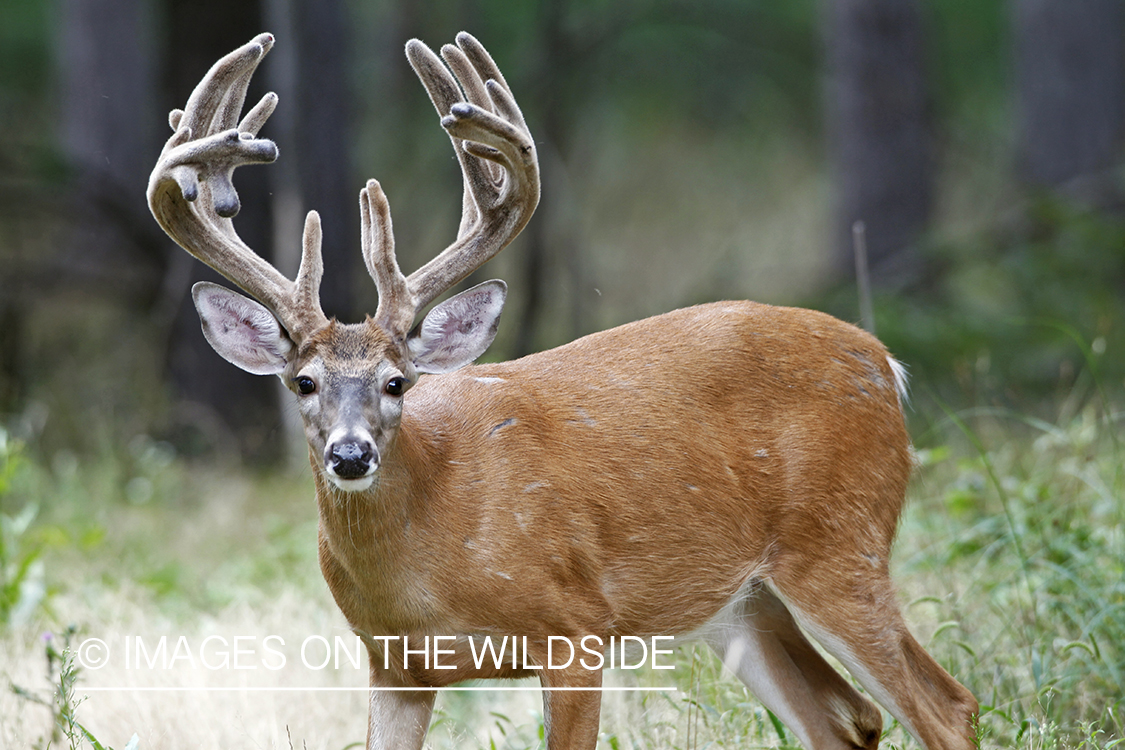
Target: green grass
<point>1010,564</point>
<point>1025,523</point>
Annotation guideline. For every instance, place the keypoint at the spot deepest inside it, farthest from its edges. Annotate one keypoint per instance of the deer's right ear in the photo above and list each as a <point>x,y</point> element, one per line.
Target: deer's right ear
<point>242,331</point>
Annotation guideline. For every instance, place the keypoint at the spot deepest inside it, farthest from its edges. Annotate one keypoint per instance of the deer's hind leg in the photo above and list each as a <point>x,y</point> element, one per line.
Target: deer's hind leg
<point>759,641</point>
<point>850,608</point>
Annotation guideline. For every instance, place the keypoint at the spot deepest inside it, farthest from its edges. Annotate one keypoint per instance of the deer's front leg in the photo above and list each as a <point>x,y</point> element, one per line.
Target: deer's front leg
<point>397,719</point>
<point>570,717</point>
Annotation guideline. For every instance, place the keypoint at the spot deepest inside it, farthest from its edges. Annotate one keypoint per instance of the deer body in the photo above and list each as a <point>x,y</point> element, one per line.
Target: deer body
<point>732,472</point>
<point>683,462</point>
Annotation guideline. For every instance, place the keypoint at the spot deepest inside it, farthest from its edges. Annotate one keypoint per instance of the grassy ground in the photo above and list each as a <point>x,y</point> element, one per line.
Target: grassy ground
<point>1010,563</point>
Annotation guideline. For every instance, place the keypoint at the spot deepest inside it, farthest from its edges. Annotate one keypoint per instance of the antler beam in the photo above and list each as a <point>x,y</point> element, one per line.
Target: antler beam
<point>499,167</point>
<point>192,196</point>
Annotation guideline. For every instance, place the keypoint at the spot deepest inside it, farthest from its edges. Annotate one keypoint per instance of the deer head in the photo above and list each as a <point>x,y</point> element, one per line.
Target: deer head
<point>350,379</point>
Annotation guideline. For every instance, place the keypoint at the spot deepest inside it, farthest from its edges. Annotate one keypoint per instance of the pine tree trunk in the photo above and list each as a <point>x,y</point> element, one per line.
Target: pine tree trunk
<point>1070,85</point>
<point>878,131</point>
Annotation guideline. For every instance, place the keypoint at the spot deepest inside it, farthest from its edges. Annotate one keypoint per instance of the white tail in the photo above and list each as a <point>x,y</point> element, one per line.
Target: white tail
<point>732,471</point>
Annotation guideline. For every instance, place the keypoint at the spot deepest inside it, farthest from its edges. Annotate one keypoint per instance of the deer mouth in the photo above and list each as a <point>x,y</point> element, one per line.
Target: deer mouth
<point>353,485</point>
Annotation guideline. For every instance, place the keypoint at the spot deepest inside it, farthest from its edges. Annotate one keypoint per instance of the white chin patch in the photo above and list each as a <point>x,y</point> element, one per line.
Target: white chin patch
<point>353,485</point>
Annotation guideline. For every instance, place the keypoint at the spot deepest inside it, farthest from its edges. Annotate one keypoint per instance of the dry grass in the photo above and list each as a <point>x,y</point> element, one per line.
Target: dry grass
<point>203,717</point>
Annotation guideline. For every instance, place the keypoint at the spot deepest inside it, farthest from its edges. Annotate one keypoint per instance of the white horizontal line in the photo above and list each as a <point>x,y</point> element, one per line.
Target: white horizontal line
<point>185,689</point>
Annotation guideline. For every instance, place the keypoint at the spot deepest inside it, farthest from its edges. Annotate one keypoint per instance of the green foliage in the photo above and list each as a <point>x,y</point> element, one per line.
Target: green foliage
<point>24,73</point>
<point>23,50</point>
<point>969,61</point>
<point>1033,317</point>
<point>63,674</point>
<point>21,569</point>
<point>715,708</point>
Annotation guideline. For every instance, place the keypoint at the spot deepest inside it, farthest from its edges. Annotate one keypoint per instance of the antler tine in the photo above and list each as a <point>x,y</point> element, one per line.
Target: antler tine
<point>486,127</point>
<point>306,292</point>
<point>198,161</point>
<point>218,97</point>
<point>444,92</point>
<point>396,309</point>
<point>488,70</point>
<point>472,169</point>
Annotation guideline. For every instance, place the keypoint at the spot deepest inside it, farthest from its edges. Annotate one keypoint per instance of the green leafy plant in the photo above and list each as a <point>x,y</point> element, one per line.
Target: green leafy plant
<point>63,674</point>
<point>21,569</point>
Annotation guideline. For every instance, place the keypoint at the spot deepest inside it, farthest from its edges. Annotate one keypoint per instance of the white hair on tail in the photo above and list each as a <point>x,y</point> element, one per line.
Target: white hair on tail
<point>901,377</point>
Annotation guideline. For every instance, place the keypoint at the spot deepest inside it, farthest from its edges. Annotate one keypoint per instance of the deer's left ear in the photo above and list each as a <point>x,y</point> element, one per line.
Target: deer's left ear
<point>242,331</point>
<point>460,329</point>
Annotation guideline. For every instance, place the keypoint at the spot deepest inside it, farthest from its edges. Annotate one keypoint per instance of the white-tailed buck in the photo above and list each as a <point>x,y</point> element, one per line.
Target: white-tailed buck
<point>732,472</point>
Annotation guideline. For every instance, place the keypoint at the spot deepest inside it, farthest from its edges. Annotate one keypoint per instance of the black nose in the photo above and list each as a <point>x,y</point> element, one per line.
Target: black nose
<point>350,460</point>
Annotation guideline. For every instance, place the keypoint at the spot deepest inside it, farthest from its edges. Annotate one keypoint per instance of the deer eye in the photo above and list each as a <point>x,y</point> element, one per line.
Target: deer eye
<point>395,386</point>
<point>305,385</point>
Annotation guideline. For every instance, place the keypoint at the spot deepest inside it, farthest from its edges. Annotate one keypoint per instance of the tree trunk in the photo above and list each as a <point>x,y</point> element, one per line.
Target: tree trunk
<point>550,128</point>
<point>1070,85</point>
<point>309,70</point>
<point>108,134</point>
<point>323,137</point>
<point>878,131</point>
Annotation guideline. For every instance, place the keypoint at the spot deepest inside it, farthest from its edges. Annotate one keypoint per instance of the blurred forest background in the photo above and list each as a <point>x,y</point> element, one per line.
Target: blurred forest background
<point>690,151</point>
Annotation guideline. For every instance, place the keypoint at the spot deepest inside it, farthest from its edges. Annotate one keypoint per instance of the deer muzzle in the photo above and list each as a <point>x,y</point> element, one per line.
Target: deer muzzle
<point>351,460</point>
